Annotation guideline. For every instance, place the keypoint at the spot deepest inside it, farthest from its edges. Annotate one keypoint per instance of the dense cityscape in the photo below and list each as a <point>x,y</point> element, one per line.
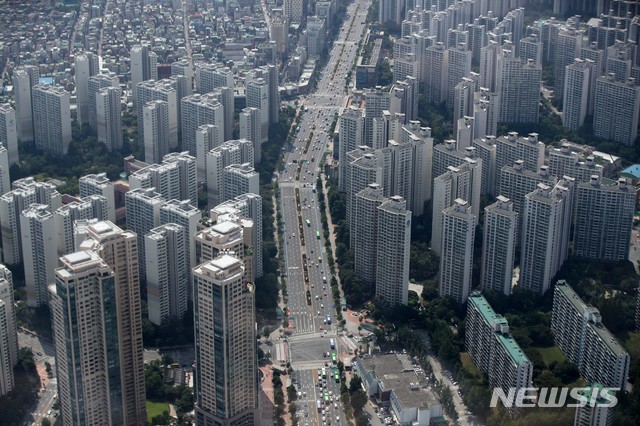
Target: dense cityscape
<point>317,212</point>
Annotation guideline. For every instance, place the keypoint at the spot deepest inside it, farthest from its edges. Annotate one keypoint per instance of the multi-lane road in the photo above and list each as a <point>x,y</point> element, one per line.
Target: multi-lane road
<point>310,302</point>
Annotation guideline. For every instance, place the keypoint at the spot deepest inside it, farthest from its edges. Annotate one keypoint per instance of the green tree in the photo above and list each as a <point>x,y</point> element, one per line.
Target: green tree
<point>358,400</point>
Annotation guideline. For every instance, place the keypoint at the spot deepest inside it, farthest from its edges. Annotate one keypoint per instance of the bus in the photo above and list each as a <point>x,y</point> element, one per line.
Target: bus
<point>336,375</point>
<point>326,398</point>
<point>332,343</point>
<point>308,223</point>
<point>324,373</point>
<point>318,234</point>
<point>334,358</point>
<point>319,405</point>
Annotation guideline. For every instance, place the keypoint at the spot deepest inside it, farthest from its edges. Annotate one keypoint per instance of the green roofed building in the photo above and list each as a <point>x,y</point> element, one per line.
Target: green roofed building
<point>493,349</point>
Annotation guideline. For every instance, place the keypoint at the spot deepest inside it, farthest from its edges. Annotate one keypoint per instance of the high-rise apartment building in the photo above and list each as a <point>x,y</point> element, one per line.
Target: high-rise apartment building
<point>143,214</point>
<point>458,66</point>
<point>294,10</point>
<point>436,62</point>
<point>65,218</point>
<point>456,251</point>
<point>616,109</point>
<point>531,48</point>
<point>51,119</point>
<point>99,184</point>
<point>511,148</point>
<point>95,84</point>
<point>446,154</point>
<point>568,45</point>
<point>489,65</point>
<point>212,76</point>
<point>393,246</point>
<point>350,137</point>
<point>114,320</point>
<point>239,179</point>
<point>167,265</point>
<point>579,333</point>
<point>464,182</point>
<point>86,66</point>
<point>231,152</point>
<point>249,206</point>
<point>8,332</point>
<point>485,149</point>
<point>258,96</point>
<point>208,137</point>
<point>516,182</point>
<point>183,67</point>
<point>577,93</point>
<point>198,110</point>
<point>500,235</point>
<point>187,216</point>
<point>9,133</point>
<point>364,231</point>
<point>23,80</point>
<point>38,235</point>
<point>251,130</point>
<point>564,161</point>
<point>545,234</point>
<point>486,108</point>
<point>493,349</point>
<point>5,180</point>
<point>316,36</point>
<point>226,380</point>
<point>174,178</point>
<point>108,117</point>
<point>187,172</point>
<point>11,205</point>
<point>144,66</point>
<point>603,219</point>
<point>163,90</point>
<point>518,84</point>
<point>595,410</point>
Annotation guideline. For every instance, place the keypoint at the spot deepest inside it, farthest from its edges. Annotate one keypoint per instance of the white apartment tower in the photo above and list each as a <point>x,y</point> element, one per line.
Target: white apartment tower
<point>99,184</point>
<point>65,218</point>
<point>456,251</point>
<point>187,172</point>
<point>518,84</point>
<point>86,66</point>
<point>516,182</point>
<point>5,180</point>
<point>167,265</point>
<point>393,242</point>
<point>213,76</point>
<point>485,149</point>
<point>208,137</point>
<point>458,66</point>
<point>108,117</point>
<point>595,410</point>
<point>183,67</point>
<point>350,136</point>
<point>568,47</point>
<point>436,62</point>
<point>23,81</point>
<point>499,246</point>
<point>376,102</point>
<point>116,316</point>
<point>239,179</point>
<point>143,214</point>
<point>579,333</point>
<point>226,380</point>
<point>11,205</point>
<point>163,90</point>
<point>364,231</point>
<point>38,234</point>
<point>8,332</point>
<point>198,110</point>
<point>94,85</point>
<point>461,182</point>
<point>251,130</point>
<point>258,92</point>
<point>616,109</point>
<point>294,10</point>
<point>603,219</point>
<point>51,119</point>
<point>144,66</point>
<point>577,93</point>
<point>231,152</point>
<point>545,234</point>
<point>511,148</point>
<point>9,132</point>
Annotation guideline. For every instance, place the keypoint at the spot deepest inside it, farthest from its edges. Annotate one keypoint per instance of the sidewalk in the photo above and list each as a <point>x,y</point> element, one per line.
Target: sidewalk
<point>332,230</point>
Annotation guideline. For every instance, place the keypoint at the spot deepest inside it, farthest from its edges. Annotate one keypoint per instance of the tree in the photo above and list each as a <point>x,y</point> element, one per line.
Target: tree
<point>358,400</point>
<point>45,422</point>
<point>355,385</point>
